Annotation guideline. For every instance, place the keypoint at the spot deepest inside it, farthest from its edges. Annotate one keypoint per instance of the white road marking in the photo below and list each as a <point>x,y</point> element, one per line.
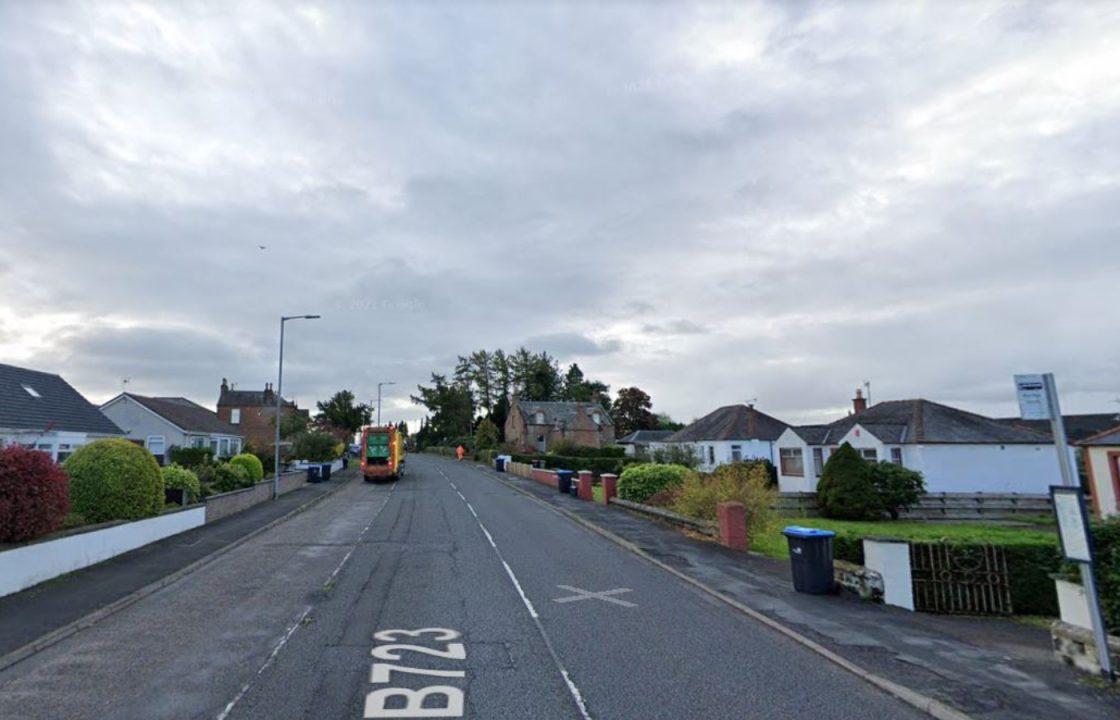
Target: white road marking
<point>361,536</point>
<point>267,663</point>
<point>577,696</point>
<point>604,595</point>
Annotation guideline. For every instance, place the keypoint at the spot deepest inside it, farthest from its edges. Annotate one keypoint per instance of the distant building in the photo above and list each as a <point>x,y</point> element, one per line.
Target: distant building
<point>252,413</point>
<point>161,423</point>
<point>1101,457</point>
<point>537,426</point>
<point>41,410</point>
<point>730,434</point>
<point>955,450</point>
<point>641,442</point>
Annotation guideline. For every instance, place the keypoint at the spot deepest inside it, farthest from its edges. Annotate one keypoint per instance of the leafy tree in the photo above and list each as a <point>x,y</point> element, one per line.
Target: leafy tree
<point>845,490</point>
<point>291,424</point>
<point>341,412</point>
<point>676,454</point>
<point>314,445</point>
<point>631,411</point>
<point>898,487</point>
<point>664,422</point>
<point>486,435</point>
<point>451,409</point>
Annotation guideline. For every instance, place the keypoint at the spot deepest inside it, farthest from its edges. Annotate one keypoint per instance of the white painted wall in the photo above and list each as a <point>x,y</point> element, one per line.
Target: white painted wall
<point>986,468</point>
<point>795,483</point>
<point>1103,487</point>
<point>892,561</point>
<point>29,565</point>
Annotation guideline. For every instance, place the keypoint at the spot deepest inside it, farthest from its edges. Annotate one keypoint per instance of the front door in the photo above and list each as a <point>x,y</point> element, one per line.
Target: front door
<point>540,443</point>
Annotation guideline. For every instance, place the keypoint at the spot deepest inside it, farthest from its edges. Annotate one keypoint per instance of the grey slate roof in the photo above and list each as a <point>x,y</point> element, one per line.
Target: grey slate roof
<point>1078,427</point>
<point>924,421</point>
<point>59,405</point>
<point>1108,437</point>
<point>566,412</point>
<point>812,434</point>
<point>249,398</point>
<point>731,422</point>
<point>187,415</point>
<point>645,436</point>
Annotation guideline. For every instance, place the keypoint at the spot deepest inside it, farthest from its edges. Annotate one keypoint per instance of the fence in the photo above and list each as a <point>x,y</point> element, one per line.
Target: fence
<point>941,506</point>
<point>965,580</point>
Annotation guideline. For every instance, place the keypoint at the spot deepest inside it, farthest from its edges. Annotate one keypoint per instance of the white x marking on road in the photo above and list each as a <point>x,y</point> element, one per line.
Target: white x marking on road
<point>604,595</point>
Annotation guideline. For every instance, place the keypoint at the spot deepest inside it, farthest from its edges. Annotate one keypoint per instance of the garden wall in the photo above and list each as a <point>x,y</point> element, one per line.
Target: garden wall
<point>228,503</point>
<point>29,565</point>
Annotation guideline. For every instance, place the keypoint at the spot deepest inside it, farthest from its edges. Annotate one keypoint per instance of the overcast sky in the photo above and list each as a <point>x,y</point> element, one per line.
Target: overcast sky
<point>763,200</point>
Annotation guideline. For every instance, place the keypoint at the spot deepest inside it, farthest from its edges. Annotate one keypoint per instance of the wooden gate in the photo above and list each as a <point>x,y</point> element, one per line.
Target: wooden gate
<point>968,579</point>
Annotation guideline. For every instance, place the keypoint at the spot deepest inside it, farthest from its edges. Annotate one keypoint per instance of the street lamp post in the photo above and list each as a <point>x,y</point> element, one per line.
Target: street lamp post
<point>279,395</point>
<point>379,399</point>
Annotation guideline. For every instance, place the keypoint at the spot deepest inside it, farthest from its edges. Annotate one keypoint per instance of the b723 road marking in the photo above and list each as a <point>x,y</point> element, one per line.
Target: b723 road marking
<point>378,701</point>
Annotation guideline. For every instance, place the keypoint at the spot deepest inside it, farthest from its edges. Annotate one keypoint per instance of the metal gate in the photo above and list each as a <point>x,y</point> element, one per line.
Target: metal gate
<point>968,579</point>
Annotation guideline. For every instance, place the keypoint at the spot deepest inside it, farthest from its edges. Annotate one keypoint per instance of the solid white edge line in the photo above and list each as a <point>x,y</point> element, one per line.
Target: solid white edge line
<point>271,658</point>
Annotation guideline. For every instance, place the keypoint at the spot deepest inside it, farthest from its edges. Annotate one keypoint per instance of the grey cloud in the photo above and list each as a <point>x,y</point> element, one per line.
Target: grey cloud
<point>675,327</point>
<point>571,345</point>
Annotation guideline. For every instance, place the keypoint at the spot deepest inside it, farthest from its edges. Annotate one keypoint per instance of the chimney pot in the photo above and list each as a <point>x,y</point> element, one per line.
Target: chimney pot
<point>859,403</point>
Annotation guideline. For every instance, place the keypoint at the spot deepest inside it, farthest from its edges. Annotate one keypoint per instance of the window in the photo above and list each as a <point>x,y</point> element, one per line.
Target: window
<point>736,453</point>
<point>869,454</point>
<point>214,447</point>
<point>596,419</point>
<point>538,419</point>
<point>155,444</point>
<point>225,448</point>
<point>234,447</point>
<point>64,451</point>
<point>235,416</point>
<point>32,391</point>
<point>896,456</point>
<point>711,454</point>
<point>818,461</point>
<point>198,442</point>
<point>791,461</point>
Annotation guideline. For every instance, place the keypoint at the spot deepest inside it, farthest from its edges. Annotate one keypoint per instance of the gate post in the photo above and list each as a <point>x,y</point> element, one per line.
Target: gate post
<point>610,487</point>
<point>585,492</point>
<point>891,559</point>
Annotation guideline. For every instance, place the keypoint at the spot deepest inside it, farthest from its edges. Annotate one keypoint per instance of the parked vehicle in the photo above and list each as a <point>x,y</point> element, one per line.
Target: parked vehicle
<point>382,453</point>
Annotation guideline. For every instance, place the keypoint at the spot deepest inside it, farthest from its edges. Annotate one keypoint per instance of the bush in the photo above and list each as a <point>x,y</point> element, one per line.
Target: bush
<point>569,448</point>
<point>177,477</point>
<point>845,490</point>
<point>639,482</point>
<point>597,465</point>
<point>748,483</point>
<point>252,465</point>
<point>676,454</point>
<point>189,457</point>
<point>486,435</point>
<point>314,446</point>
<point>34,494</point>
<point>223,477</point>
<point>898,488</point>
<point>1106,567</point>
<point>114,480</point>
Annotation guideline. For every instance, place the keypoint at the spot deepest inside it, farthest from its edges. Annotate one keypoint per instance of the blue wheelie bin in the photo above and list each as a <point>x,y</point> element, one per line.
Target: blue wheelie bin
<point>326,472</point>
<point>564,481</point>
<point>500,464</point>
<point>314,473</point>
<point>810,557</point>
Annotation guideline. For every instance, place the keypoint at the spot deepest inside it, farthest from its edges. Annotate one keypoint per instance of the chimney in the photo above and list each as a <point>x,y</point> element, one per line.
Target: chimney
<point>859,404</point>
<point>268,399</point>
<point>225,385</point>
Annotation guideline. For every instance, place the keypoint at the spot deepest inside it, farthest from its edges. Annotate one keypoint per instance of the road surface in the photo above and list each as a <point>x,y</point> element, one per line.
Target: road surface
<point>447,594</point>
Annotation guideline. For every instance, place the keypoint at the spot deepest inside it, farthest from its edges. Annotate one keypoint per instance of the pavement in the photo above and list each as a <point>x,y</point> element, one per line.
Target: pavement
<point>990,668</point>
<point>447,589</point>
<point>50,606</point>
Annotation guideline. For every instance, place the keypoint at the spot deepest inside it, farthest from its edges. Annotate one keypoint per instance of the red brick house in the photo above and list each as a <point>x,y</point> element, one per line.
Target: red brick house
<point>252,412</point>
<point>536,426</point>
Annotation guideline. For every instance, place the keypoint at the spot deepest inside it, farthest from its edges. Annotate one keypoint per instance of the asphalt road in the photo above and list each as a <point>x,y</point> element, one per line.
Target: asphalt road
<point>446,589</point>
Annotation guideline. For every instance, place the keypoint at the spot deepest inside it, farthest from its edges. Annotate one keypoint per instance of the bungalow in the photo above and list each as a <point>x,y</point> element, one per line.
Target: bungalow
<point>641,442</point>
<point>955,450</point>
<point>538,425</point>
<point>41,410</point>
<point>730,434</point>
<point>1101,455</point>
<point>161,423</point>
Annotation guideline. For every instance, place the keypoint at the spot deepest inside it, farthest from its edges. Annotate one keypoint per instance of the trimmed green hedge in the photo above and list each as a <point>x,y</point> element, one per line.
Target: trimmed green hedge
<point>597,465</point>
<point>640,482</point>
<point>114,480</point>
<point>252,465</point>
<point>607,451</point>
<point>223,477</point>
<point>189,457</point>
<point>1106,553</point>
<point>177,477</point>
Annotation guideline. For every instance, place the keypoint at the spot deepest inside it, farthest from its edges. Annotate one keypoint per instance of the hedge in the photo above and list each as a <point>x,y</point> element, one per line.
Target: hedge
<point>1106,566</point>
<point>223,477</point>
<point>597,465</point>
<point>252,465</point>
<point>1029,567</point>
<point>177,477</point>
<point>114,480</point>
<point>189,457</point>
<point>607,451</point>
<point>640,482</point>
<point>34,494</point>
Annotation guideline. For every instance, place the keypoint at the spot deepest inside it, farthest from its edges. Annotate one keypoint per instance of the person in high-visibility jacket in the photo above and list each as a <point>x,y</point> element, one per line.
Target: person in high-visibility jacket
<point>460,452</point>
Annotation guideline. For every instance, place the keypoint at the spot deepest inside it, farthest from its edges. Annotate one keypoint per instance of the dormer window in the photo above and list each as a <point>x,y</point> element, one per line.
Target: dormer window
<point>596,418</point>
<point>538,419</point>
<point>32,391</point>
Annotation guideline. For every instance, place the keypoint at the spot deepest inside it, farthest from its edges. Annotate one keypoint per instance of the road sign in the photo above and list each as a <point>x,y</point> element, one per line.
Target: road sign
<point>1034,400</point>
<point>1073,524</point>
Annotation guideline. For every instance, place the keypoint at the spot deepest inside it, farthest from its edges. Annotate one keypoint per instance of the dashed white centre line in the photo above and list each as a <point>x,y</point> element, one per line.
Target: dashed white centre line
<point>577,696</point>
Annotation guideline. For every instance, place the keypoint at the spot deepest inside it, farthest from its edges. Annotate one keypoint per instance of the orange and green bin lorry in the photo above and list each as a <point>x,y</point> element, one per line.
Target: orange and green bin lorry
<point>382,453</point>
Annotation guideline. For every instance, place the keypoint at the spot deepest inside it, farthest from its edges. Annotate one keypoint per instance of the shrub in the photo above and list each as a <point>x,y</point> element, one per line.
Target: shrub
<point>676,454</point>
<point>114,480</point>
<point>177,477</point>
<point>570,448</point>
<point>748,483</point>
<point>252,465</point>
<point>189,457</point>
<point>314,446</point>
<point>34,494</point>
<point>223,477</point>
<point>597,465</point>
<point>898,488</point>
<point>845,490</point>
<point>638,482</point>
<point>486,435</point>
<point>268,462</point>
<point>1106,567</point>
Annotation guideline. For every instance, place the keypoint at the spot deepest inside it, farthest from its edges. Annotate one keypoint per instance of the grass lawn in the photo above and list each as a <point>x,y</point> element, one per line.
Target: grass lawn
<point>773,543</point>
<point>597,493</point>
